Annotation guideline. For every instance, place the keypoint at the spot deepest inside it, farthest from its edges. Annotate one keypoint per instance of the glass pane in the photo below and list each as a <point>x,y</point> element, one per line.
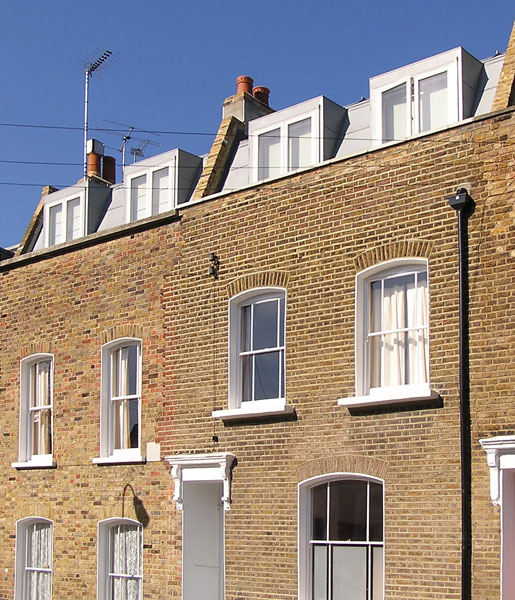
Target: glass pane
<point>41,432</point>
<point>269,157</point>
<point>432,102</point>
<point>349,573</point>
<point>73,220</point>
<point>348,510</point>
<point>56,224</point>
<point>281,322</point>
<point>376,512</point>
<point>266,375</point>
<point>130,358</point>
<point>299,144</point>
<point>245,343</point>
<point>132,589</point>
<point>160,191</point>
<point>377,573</point>
<point>133,423</point>
<point>319,511</point>
<point>394,114</point>
<point>138,198</point>
<point>265,324</point>
<point>246,378</point>
<point>394,372</point>
<point>320,572</point>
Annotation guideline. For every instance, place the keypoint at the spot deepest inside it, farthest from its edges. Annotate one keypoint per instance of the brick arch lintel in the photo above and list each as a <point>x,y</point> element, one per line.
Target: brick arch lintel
<point>257,280</point>
<point>128,330</point>
<point>399,249</point>
<point>40,347</point>
<point>365,465</point>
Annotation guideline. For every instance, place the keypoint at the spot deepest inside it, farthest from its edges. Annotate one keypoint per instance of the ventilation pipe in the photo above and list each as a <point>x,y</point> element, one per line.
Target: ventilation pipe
<point>464,206</point>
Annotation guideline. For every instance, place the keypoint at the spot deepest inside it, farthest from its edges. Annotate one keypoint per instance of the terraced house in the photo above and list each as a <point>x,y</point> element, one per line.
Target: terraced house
<point>281,370</point>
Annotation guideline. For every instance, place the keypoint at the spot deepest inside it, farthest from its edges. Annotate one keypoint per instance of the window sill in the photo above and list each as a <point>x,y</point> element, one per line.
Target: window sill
<point>119,460</point>
<point>397,397</point>
<point>47,463</point>
<point>253,412</point>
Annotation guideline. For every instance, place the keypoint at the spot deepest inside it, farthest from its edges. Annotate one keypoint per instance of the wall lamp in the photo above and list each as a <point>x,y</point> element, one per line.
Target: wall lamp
<point>215,265</point>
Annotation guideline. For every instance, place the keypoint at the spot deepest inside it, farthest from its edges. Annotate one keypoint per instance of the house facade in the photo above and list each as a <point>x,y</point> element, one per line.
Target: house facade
<point>238,375</point>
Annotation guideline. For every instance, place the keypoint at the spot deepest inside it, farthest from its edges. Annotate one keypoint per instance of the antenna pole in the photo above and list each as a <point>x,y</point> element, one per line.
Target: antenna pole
<point>89,71</point>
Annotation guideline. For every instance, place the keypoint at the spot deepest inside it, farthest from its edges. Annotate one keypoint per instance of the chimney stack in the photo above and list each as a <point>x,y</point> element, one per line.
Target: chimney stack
<point>95,151</point>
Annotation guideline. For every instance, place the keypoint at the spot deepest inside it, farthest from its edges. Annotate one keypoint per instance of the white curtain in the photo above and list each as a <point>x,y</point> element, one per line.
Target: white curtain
<point>397,356</point>
<point>39,557</point>
<point>41,417</point>
<point>126,560</point>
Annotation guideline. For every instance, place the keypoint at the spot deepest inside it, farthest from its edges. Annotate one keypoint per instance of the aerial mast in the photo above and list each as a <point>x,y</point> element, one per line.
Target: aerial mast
<point>94,66</point>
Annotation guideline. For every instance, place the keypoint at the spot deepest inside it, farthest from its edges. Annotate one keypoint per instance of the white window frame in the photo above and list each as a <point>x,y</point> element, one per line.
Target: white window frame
<point>105,529</point>
<point>304,520</point>
<point>412,83</point>
<point>64,224</point>
<point>365,396</point>
<point>109,454</point>
<point>237,408</point>
<point>283,168</point>
<point>23,529</point>
<point>26,459</point>
<point>148,172</point>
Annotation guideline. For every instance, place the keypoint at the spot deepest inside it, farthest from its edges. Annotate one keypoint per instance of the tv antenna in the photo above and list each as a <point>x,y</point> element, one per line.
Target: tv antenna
<point>128,136</point>
<point>90,69</point>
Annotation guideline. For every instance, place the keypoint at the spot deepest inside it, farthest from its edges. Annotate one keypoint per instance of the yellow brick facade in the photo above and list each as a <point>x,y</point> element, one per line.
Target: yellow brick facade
<point>310,233</point>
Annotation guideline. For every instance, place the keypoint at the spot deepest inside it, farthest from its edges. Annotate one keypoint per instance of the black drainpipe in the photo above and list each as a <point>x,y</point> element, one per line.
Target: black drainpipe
<point>464,206</point>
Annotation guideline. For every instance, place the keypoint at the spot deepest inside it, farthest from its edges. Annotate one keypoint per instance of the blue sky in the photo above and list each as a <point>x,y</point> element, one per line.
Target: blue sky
<point>175,62</point>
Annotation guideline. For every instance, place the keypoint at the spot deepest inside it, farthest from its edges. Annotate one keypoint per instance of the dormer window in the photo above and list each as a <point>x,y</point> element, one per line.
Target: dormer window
<point>294,138</point>
<point>286,148</point>
<point>65,221</point>
<point>150,194</point>
<point>423,96</point>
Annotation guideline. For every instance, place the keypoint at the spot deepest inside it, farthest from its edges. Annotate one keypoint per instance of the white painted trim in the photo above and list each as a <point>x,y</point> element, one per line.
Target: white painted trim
<point>107,454</point>
<point>25,458</point>
<point>103,529</point>
<point>261,408</point>
<point>20,553</point>
<point>234,387</point>
<point>82,196</point>
<point>500,453</point>
<point>363,395</point>
<point>398,395</point>
<point>303,520</point>
<point>202,467</point>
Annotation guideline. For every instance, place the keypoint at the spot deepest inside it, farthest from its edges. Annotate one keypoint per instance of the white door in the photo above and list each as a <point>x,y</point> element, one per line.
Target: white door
<point>203,550</point>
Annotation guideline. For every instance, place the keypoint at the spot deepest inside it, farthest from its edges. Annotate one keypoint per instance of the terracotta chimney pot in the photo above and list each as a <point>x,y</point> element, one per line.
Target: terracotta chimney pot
<point>244,84</point>
<point>94,164</point>
<point>261,93</point>
<point>109,169</point>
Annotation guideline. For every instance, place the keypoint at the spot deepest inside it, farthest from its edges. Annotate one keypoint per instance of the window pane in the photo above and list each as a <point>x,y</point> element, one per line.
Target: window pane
<point>394,114</point>
<point>299,144</point>
<point>55,215</point>
<point>376,512</point>
<point>73,220</point>
<point>130,369</point>
<point>348,510</point>
<point>246,378</point>
<point>138,198</point>
<point>267,375</point>
<point>432,102</point>
<point>320,572</point>
<point>349,573</point>
<point>246,331</point>
<point>269,157</point>
<point>160,191</point>
<point>319,512</point>
<point>265,324</point>
<point>377,573</point>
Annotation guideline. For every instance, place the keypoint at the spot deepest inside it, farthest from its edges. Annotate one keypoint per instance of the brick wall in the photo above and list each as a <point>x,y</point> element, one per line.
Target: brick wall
<point>312,227</point>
